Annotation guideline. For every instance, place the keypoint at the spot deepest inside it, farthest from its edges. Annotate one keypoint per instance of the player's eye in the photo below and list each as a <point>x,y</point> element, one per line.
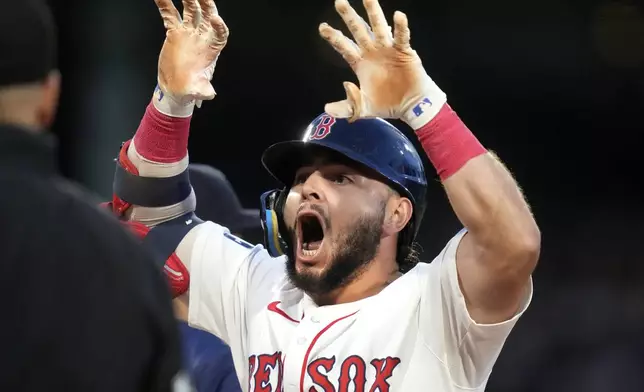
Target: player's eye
<point>300,178</point>
<point>340,179</point>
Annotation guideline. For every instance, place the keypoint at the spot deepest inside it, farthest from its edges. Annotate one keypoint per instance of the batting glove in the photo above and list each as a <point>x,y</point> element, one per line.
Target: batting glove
<point>189,55</point>
<point>393,82</point>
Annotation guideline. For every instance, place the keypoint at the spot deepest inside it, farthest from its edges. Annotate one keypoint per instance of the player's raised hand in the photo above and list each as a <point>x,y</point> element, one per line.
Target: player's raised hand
<point>191,48</point>
<point>393,82</point>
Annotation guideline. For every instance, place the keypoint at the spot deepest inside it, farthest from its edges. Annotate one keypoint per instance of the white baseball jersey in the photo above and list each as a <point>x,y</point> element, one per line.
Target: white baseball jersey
<point>415,335</point>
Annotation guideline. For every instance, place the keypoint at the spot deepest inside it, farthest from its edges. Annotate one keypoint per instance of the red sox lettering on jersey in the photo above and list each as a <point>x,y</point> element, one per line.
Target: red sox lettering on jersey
<point>415,335</point>
<point>352,373</point>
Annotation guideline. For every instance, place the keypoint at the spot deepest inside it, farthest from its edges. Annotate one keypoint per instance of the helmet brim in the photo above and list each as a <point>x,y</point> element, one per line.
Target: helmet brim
<point>283,160</point>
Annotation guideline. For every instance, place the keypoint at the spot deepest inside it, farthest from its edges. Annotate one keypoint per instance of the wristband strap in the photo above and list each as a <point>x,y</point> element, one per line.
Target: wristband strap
<point>161,138</point>
<point>448,143</point>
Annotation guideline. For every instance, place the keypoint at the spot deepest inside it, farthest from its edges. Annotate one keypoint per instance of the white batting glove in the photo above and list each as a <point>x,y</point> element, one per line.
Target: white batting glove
<point>189,54</point>
<point>393,82</point>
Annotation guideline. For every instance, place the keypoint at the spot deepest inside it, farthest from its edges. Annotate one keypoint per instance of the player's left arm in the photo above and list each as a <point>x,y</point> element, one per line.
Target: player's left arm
<point>495,259</point>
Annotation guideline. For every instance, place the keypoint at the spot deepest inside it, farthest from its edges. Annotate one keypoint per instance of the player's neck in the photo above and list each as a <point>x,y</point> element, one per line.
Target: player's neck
<point>378,274</point>
<point>25,121</point>
<point>18,107</point>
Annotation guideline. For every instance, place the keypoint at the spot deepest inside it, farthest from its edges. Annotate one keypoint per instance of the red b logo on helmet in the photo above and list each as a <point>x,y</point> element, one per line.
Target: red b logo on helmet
<point>323,129</point>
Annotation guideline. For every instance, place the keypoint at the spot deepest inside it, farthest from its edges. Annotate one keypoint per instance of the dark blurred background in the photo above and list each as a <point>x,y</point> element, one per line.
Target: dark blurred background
<point>555,87</point>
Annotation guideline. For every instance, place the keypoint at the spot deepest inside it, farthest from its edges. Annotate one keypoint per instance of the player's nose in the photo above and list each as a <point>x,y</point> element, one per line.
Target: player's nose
<point>312,188</point>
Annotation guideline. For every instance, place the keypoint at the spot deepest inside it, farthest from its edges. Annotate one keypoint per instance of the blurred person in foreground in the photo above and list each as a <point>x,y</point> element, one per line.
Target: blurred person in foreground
<point>85,309</point>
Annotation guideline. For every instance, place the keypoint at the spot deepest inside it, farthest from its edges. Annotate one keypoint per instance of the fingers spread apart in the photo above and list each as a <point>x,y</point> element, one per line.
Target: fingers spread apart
<point>207,14</point>
<point>343,45</point>
<point>401,31</point>
<point>379,25</point>
<point>211,21</point>
<point>170,15</point>
<point>378,32</point>
<point>221,30</point>
<point>358,27</point>
<point>191,13</point>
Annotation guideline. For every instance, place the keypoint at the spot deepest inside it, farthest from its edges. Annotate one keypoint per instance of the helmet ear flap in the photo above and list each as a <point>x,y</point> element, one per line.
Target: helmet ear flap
<point>284,235</point>
<point>272,206</point>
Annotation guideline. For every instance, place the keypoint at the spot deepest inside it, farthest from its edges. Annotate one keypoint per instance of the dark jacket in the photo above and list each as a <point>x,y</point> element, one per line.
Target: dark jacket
<point>84,307</point>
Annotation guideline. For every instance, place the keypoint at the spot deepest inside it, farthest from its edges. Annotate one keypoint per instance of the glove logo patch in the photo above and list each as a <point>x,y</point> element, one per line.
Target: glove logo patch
<point>158,92</point>
<point>323,129</point>
<point>420,108</point>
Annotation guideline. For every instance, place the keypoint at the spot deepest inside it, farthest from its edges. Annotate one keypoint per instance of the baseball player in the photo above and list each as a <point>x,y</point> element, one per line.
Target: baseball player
<point>334,303</point>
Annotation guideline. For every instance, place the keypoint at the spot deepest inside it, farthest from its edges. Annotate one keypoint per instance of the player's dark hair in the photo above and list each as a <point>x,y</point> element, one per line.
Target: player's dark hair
<point>408,256</point>
<point>407,251</point>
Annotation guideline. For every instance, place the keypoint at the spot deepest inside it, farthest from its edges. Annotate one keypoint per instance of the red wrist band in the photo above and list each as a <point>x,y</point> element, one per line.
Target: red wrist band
<point>448,142</point>
<point>162,138</point>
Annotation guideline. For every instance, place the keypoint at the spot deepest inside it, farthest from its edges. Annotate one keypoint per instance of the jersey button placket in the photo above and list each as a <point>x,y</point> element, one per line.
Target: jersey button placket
<point>297,348</point>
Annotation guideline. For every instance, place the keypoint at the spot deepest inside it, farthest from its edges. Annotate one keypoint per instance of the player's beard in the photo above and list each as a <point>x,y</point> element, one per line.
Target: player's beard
<point>353,253</point>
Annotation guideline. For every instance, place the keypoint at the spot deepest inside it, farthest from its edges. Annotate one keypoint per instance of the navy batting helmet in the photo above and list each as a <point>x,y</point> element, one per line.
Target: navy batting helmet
<point>373,143</point>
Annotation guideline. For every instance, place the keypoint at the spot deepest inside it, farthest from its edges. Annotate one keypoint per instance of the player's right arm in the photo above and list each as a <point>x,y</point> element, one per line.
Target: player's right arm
<point>477,288</point>
<point>223,274</point>
<point>159,149</point>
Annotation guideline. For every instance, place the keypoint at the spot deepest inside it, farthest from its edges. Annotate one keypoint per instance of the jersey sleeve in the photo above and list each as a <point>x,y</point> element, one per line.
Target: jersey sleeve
<point>467,348</point>
<point>231,280</point>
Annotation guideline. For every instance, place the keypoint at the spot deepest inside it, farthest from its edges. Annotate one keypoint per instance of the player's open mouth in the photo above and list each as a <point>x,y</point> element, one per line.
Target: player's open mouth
<point>310,235</point>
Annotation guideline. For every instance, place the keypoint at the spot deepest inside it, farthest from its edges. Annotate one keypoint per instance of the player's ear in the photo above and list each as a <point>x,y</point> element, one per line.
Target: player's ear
<point>398,212</point>
<point>48,104</point>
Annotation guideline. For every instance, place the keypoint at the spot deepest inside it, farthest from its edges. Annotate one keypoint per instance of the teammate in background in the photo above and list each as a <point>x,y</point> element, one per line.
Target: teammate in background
<point>84,308</point>
<point>218,202</point>
<point>345,307</point>
<point>207,358</point>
